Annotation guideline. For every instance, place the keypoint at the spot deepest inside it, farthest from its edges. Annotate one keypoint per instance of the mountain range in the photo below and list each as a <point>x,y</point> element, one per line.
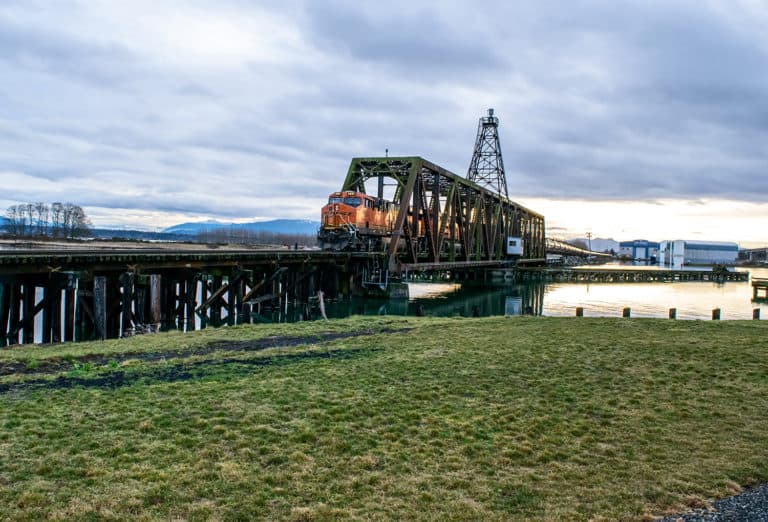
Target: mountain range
<point>305,227</point>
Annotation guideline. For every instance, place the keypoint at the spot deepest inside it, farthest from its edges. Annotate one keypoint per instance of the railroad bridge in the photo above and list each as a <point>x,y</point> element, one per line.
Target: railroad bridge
<point>80,295</point>
<point>446,223</point>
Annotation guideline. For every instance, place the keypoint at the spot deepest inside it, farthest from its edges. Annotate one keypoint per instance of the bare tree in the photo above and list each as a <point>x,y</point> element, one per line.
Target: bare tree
<point>29,211</point>
<point>80,224</point>
<point>42,211</point>
<point>57,219</point>
<point>15,226</point>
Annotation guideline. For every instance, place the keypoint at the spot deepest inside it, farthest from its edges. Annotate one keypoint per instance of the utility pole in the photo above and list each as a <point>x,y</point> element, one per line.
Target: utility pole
<point>589,239</point>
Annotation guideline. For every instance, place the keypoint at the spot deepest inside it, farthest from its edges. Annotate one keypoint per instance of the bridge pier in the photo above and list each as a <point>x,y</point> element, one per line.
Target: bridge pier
<point>102,296</point>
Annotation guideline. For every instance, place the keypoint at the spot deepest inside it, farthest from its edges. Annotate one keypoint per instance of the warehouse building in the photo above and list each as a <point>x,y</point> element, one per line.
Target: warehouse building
<point>639,249</point>
<point>681,252</point>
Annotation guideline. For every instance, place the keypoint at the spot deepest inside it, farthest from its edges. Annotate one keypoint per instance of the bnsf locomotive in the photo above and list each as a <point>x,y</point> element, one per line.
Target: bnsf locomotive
<point>356,221</point>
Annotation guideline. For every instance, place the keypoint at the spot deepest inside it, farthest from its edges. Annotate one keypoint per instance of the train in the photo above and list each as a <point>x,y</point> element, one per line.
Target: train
<point>356,221</point>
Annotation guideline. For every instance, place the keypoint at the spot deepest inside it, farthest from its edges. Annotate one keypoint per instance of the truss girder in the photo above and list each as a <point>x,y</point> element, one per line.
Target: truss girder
<point>445,217</point>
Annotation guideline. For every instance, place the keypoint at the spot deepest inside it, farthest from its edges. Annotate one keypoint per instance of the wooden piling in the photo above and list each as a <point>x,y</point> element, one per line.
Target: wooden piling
<point>126,299</point>
<point>673,313</point>
<point>140,303</point>
<point>627,312</point>
<point>247,311</point>
<point>70,296</point>
<point>204,296</point>
<point>180,303</point>
<point>716,314</point>
<point>239,293</point>
<point>216,305</point>
<point>756,314</point>
<point>48,291</point>
<point>28,326</point>
<point>166,309</point>
<point>189,304</point>
<point>579,311</point>
<point>14,313</point>
<point>231,310</point>
<point>100,306</point>
<point>5,308</point>
<point>113,307</point>
<point>54,300</point>
<point>155,296</point>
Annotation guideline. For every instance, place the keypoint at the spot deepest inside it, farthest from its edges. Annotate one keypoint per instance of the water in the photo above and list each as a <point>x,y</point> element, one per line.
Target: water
<point>693,300</point>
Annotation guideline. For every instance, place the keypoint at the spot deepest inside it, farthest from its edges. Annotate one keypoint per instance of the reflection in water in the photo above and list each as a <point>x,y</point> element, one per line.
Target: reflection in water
<point>693,300</point>
<point>448,300</point>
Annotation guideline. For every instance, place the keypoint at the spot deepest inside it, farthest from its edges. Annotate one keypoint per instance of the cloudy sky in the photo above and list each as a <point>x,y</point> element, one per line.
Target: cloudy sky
<point>625,118</point>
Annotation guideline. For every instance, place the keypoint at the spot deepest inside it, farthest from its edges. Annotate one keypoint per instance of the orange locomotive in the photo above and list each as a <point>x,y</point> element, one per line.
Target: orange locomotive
<point>356,221</point>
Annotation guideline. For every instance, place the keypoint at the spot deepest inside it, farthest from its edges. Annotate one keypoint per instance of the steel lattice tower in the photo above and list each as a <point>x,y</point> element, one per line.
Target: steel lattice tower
<point>487,166</point>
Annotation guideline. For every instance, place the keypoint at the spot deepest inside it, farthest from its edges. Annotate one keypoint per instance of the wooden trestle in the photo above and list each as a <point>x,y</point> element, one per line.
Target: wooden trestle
<point>71,296</point>
<point>759,284</point>
<point>631,276</point>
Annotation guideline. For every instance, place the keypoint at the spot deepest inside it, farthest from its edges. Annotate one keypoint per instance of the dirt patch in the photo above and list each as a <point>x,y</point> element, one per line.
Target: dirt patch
<point>177,372</point>
<point>60,364</point>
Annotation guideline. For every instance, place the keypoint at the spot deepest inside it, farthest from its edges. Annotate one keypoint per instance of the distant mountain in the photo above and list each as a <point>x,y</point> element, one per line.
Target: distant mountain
<point>304,227</point>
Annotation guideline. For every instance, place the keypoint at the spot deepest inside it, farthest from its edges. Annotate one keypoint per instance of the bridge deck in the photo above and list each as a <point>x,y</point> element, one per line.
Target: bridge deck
<point>757,285</point>
<point>38,261</point>
<point>621,275</point>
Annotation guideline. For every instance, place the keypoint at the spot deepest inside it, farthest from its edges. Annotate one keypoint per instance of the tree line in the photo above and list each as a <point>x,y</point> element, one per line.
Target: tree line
<point>58,220</point>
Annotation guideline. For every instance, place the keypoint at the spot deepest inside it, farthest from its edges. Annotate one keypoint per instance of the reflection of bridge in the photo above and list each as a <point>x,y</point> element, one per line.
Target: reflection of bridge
<point>465,301</point>
<point>755,254</point>
<point>557,247</point>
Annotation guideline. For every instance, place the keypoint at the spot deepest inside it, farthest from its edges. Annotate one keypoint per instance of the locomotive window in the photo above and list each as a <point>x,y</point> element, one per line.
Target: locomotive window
<point>352,202</point>
<point>335,200</point>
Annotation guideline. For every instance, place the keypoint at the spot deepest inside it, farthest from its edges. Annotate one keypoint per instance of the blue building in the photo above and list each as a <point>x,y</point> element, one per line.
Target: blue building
<point>639,249</point>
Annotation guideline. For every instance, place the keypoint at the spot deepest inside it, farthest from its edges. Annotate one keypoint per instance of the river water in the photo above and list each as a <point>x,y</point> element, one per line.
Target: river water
<point>693,300</point>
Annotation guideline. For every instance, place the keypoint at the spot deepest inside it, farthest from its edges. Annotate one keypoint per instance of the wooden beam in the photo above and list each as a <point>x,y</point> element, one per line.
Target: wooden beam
<point>5,308</point>
<point>247,297</point>
<point>214,297</point>
<point>28,325</point>
<point>69,311</point>
<point>54,303</point>
<point>99,306</point>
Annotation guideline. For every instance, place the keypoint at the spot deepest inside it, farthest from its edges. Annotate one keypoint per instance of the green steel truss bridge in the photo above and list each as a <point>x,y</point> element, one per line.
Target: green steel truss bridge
<point>446,218</point>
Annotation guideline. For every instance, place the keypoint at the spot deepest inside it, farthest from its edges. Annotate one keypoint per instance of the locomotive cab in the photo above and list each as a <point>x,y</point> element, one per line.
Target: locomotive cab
<point>354,221</point>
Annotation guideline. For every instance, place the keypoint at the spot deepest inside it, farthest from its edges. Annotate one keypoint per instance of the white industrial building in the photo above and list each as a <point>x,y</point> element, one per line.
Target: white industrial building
<point>681,252</point>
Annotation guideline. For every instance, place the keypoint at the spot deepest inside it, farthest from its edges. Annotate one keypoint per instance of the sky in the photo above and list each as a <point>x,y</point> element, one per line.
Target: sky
<point>627,119</point>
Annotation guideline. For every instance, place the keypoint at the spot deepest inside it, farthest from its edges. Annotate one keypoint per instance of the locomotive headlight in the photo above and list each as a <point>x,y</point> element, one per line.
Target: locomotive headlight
<point>335,208</point>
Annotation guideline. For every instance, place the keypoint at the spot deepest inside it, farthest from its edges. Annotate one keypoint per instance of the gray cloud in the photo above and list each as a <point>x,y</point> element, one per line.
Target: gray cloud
<point>642,101</point>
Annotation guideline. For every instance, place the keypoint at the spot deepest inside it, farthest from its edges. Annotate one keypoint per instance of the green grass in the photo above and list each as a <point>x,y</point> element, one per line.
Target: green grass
<point>453,419</point>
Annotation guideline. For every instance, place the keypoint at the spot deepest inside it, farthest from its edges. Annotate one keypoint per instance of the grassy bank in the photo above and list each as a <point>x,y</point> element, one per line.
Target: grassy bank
<point>387,418</point>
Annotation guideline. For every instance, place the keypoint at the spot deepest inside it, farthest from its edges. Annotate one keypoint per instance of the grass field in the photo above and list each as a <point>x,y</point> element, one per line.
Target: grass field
<point>387,418</point>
